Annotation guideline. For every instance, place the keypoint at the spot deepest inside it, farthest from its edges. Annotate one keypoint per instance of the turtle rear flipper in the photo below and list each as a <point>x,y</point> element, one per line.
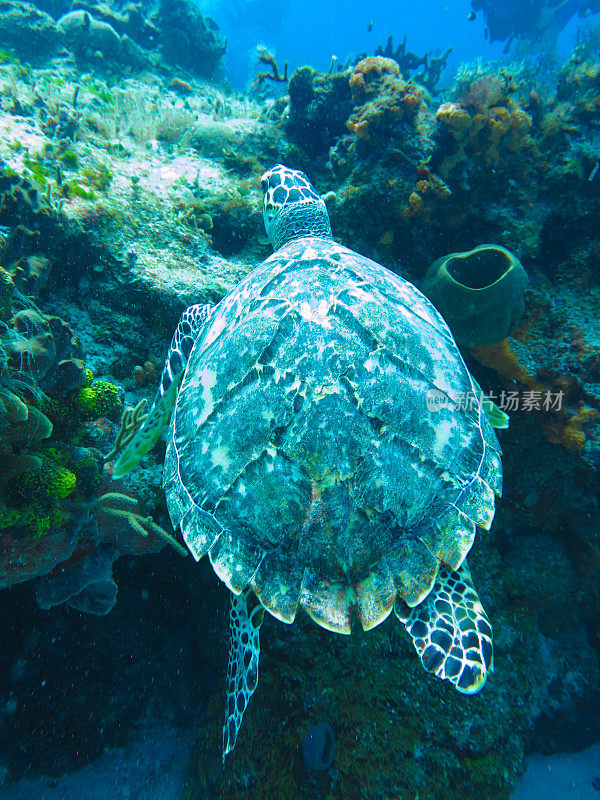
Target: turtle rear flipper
<point>451,631</point>
<point>245,618</point>
<point>144,439</point>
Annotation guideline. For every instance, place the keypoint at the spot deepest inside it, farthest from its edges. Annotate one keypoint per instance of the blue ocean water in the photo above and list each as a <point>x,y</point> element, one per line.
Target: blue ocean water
<point>311,32</point>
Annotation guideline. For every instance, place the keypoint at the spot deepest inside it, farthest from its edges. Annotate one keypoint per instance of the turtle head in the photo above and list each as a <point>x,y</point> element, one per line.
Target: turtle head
<point>291,207</point>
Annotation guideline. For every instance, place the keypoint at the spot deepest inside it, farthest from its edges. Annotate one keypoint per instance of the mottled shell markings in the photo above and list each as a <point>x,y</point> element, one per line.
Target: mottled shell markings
<point>305,459</point>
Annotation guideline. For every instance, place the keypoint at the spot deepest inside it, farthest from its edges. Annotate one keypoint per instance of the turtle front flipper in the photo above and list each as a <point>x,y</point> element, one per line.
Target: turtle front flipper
<point>451,631</point>
<point>139,441</point>
<point>245,618</point>
<point>498,418</point>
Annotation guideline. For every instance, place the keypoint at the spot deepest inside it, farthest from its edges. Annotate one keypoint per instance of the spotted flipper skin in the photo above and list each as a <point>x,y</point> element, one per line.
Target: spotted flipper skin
<point>451,631</point>
<point>185,335</point>
<point>245,618</point>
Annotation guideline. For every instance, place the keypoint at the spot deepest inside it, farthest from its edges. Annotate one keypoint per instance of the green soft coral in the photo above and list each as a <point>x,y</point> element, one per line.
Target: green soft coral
<point>70,411</point>
<point>46,485</point>
<point>29,521</point>
<point>101,399</point>
<point>34,507</point>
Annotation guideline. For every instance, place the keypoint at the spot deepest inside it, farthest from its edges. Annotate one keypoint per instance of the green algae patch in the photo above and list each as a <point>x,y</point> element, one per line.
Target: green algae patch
<point>101,399</point>
<point>71,410</point>
<point>99,178</point>
<point>69,159</point>
<point>51,482</point>
<point>75,189</point>
<point>29,521</point>
<point>399,732</point>
<point>32,504</point>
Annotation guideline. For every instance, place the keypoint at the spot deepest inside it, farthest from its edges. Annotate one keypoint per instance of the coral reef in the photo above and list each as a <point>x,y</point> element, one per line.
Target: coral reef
<point>382,97</point>
<point>31,273</point>
<point>554,355</point>
<point>30,32</point>
<point>485,124</point>
<point>127,194</point>
<point>229,219</point>
<point>86,36</point>
<point>47,349</point>
<point>578,85</point>
<point>128,21</point>
<point>468,169</point>
<point>396,735</point>
<point>318,109</point>
<point>134,36</point>
<point>429,67</point>
<point>187,39</point>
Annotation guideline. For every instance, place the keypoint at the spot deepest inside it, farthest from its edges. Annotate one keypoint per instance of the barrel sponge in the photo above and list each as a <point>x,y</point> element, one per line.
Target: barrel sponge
<point>480,293</point>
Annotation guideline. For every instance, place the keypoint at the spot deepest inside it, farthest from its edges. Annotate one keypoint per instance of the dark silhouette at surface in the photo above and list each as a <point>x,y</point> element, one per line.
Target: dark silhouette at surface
<point>531,20</point>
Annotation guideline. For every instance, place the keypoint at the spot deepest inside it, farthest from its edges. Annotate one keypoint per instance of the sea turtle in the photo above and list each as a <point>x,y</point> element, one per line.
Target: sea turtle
<point>328,449</point>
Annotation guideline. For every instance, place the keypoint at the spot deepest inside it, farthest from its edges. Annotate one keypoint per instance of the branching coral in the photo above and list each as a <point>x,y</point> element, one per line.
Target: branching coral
<point>106,504</point>
<point>267,58</point>
<point>432,66</point>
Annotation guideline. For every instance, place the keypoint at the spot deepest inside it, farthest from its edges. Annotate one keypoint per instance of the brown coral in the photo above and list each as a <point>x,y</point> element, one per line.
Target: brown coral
<point>545,357</point>
<point>579,84</point>
<point>569,429</point>
<point>266,57</point>
<point>484,134</point>
<point>367,74</point>
<point>429,193</point>
<point>383,98</point>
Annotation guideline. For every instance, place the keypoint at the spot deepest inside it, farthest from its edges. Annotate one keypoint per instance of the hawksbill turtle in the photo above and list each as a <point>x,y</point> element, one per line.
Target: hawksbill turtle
<point>321,451</point>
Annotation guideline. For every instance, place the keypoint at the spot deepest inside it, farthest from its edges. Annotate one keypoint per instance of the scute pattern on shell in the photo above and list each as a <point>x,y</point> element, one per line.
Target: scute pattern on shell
<point>303,455</point>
